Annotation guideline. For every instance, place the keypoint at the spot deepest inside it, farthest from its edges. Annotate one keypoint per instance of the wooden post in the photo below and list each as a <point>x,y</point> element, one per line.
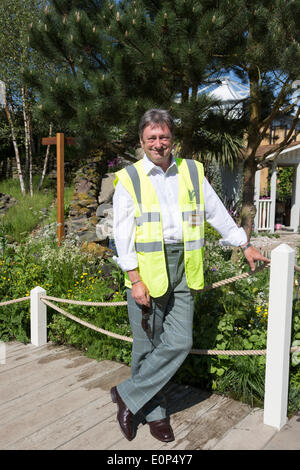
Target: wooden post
<point>38,317</point>
<point>60,148</point>
<point>279,336</point>
<point>59,141</point>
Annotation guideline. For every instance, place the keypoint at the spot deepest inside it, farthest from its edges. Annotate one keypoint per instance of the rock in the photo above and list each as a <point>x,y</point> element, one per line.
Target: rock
<point>102,208</point>
<point>96,250</point>
<point>109,214</point>
<point>107,188</point>
<point>87,235</point>
<point>6,201</point>
<point>104,228</point>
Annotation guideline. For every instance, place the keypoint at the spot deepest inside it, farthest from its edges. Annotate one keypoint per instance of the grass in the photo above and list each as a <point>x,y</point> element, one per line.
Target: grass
<point>23,217</point>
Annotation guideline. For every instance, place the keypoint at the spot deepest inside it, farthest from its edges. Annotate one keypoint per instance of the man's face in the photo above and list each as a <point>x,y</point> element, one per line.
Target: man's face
<point>157,143</point>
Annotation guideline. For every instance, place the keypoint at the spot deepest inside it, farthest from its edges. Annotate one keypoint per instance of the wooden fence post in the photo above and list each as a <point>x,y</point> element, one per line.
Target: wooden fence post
<point>38,317</point>
<point>279,336</point>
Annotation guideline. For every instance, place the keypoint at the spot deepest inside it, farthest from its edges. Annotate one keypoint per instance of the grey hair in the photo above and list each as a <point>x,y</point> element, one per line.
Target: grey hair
<point>156,116</point>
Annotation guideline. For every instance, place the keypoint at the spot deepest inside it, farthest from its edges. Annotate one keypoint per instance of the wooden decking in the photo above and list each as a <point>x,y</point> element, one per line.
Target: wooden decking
<point>53,397</point>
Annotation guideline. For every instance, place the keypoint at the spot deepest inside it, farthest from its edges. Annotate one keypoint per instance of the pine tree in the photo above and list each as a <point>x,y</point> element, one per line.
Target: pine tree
<point>117,59</point>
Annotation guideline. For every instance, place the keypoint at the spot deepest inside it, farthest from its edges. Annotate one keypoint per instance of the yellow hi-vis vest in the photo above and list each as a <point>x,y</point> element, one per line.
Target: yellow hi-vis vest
<point>149,243</point>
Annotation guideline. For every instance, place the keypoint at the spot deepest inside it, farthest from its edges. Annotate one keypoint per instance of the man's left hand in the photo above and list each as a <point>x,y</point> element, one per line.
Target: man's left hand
<point>252,255</point>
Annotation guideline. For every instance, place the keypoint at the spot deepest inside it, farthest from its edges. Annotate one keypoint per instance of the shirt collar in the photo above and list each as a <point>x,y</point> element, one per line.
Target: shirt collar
<point>149,165</point>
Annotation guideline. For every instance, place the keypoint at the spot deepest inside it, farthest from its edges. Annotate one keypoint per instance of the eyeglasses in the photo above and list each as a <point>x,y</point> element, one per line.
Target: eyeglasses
<point>145,317</point>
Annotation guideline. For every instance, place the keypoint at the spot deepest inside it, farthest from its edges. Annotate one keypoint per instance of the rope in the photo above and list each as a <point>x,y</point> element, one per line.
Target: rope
<point>236,352</point>
<point>84,323</point>
<point>209,352</point>
<point>118,304</point>
<point>14,301</point>
<point>83,302</point>
<point>214,285</point>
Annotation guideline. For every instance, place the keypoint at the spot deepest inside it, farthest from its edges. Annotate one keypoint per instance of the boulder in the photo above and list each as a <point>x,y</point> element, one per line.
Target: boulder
<point>6,201</point>
<point>100,210</point>
<point>104,228</point>
<point>107,188</point>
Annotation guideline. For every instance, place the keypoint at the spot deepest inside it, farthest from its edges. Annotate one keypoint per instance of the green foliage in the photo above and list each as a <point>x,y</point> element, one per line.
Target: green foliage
<point>234,317</point>
<point>23,217</point>
<point>115,60</point>
<point>284,184</point>
<point>229,317</point>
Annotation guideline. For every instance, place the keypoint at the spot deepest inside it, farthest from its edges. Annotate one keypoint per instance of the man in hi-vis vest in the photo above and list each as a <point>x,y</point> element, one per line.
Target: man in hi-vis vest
<point>159,208</point>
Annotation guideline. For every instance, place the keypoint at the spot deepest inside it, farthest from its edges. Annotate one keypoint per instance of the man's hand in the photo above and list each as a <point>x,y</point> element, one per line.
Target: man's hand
<point>140,294</point>
<point>252,255</point>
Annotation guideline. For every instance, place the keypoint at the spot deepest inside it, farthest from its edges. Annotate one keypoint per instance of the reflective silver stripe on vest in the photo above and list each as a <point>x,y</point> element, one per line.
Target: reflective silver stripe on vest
<point>148,217</point>
<point>194,244</point>
<point>148,247</point>
<point>194,178</point>
<point>135,179</point>
<point>187,214</point>
<point>145,216</point>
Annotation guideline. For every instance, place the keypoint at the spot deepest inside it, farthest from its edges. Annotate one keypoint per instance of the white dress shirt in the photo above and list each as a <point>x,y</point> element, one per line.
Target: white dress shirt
<point>166,187</point>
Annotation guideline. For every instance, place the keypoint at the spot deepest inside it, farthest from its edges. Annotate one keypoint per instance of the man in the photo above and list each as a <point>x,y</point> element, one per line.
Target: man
<point>159,206</point>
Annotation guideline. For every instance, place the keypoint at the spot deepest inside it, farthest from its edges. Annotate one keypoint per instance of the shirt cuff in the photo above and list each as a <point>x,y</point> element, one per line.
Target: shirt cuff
<point>127,262</point>
<point>237,237</point>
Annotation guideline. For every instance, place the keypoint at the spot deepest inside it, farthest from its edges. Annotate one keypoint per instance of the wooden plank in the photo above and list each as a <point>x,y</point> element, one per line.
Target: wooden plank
<point>52,140</point>
<point>28,353</point>
<point>53,389</point>
<point>42,371</point>
<point>22,426</point>
<point>62,401</point>
<point>49,141</point>
<point>70,426</point>
<point>70,140</point>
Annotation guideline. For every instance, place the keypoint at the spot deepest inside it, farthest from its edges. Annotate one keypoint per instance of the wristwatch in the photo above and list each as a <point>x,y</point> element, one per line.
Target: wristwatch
<point>246,246</point>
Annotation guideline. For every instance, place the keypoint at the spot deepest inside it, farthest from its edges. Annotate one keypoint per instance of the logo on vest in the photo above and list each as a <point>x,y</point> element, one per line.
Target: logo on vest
<point>192,194</point>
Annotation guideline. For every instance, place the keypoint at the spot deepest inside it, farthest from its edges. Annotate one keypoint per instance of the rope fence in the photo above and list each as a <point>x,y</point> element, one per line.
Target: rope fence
<point>210,352</point>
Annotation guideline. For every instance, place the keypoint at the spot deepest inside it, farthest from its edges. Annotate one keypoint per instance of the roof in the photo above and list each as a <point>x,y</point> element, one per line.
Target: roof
<point>263,149</point>
<point>226,90</point>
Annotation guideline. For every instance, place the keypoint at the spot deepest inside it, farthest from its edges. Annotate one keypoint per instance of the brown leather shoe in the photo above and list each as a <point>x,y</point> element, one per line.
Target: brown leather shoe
<point>124,415</point>
<point>162,430</point>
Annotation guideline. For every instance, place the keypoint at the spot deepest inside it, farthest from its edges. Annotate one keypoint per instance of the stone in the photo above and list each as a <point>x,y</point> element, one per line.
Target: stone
<point>102,208</point>
<point>6,201</point>
<point>109,213</point>
<point>96,249</point>
<point>107,188</point>
<point>104,229</point>
<point>87,236</point>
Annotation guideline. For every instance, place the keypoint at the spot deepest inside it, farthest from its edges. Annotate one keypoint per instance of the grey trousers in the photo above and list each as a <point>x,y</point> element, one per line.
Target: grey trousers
<point>155,360</point>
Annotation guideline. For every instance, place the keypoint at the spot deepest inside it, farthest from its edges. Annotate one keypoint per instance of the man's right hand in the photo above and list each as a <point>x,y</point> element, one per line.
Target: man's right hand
<point>140,294</point>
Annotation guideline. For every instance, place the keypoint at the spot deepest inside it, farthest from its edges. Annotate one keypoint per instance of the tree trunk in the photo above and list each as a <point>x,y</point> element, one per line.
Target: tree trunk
<point>17,155</point>
<point>45,161</point>
<point>253,141</point>
<point>28,140</point>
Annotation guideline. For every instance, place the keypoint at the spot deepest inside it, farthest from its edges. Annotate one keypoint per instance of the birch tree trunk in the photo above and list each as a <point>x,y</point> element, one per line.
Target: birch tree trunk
<point>45,160</point>
<point>28,140</point>
<point>16,149</point>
